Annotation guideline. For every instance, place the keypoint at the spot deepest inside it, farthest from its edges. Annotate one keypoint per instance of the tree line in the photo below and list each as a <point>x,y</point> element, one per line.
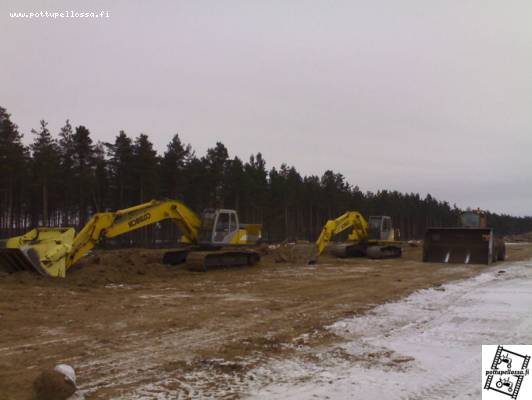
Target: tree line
<point>61,179</point>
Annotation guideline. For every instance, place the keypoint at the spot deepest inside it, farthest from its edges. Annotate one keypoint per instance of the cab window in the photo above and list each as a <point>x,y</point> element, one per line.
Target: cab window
<point>224,223</point>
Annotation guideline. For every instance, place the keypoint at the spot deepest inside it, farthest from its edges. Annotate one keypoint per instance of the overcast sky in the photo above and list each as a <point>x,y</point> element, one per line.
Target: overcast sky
<point>414,95</point>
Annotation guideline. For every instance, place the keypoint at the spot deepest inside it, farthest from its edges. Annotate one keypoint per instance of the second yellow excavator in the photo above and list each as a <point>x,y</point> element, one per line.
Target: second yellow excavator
<point>52,251</point>
<point>374,238</point>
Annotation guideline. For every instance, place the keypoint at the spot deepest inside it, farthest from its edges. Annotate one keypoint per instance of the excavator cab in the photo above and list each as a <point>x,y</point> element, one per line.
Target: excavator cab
<point>221,228</point>
<point>380,228</point>
<point>218,227</point>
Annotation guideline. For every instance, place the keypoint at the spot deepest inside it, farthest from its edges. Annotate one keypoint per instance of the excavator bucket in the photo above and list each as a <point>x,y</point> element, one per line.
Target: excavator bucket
<point>42,250</point>
<point>458,245</point>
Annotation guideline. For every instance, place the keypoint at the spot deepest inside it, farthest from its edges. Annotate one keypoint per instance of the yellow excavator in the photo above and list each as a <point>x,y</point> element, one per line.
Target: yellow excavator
<point>52,251</point>
<point>374,238</point>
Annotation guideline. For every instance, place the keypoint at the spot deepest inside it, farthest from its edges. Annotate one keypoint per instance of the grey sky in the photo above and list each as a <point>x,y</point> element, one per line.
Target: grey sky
<point>414,95</point>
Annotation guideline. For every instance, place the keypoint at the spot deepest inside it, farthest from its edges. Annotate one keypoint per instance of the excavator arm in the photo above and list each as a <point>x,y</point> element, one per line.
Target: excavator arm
<point>335,226</point>
<point>52,251</point>
<point>112,224</point>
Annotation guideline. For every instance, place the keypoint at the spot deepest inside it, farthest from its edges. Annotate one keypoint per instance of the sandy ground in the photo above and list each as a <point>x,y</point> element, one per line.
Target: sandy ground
<point>136,329</point>
<point>425,346</point>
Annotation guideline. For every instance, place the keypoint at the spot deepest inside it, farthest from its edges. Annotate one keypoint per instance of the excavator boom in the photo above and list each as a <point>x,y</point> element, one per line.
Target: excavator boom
<point>351,219</point>
<point>112,224</point>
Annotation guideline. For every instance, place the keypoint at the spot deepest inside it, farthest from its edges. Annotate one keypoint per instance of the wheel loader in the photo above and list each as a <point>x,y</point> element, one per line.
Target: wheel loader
<point>473,242</point>
<point>374,238</point>
<point>218,232</point>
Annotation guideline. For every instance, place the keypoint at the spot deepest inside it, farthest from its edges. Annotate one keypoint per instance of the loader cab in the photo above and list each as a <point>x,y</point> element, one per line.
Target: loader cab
<point>218,226</point>
<point>473,219</point>
<point>380,228</point>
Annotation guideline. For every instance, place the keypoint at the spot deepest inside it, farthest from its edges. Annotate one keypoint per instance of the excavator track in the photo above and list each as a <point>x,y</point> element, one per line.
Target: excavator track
<point>375,251</point>
<point>346,250</point>
<point>208,260</point>
<point>384,251</point>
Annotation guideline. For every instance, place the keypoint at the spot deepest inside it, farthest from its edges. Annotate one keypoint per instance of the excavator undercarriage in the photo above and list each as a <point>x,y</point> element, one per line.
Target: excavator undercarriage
<point>370,249</point>
<point>207,260</point>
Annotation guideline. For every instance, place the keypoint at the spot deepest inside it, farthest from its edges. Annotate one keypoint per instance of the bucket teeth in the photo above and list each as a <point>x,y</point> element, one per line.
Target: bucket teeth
<point>42,250</point>
<point>13,260</point>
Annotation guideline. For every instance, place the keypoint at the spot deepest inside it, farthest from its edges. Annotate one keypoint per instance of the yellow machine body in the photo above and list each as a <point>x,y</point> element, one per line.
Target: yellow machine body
<point>43,249</point>
<point>52,251</point>
<point>351,219</point>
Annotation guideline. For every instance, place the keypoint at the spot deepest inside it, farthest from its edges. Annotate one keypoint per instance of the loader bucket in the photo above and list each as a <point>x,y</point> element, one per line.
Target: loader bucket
<point>41,250</point>
<point>458,245</point>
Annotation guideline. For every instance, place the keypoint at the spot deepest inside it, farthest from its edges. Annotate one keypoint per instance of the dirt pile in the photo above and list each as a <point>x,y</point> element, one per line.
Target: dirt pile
<point>303,253</point>
<point>523,237</point>
<point>120,266</point>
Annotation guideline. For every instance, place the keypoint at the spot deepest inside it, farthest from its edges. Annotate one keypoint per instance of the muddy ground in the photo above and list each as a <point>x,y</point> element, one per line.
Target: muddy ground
<point>133,328</point>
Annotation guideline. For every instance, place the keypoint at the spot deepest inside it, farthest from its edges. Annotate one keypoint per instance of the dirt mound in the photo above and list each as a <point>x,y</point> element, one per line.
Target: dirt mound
<point>52,385</point>
<point>120,266</point>
<point>296,253</point>
<point>523,237</point>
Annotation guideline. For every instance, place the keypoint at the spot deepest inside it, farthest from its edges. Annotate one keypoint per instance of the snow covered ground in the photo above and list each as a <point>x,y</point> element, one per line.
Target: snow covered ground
<point>426,346</point>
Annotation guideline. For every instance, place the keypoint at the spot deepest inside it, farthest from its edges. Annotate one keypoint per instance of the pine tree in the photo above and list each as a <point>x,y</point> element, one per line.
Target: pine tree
<point>13,178</point>
<point>67,183</point>
<point>235,184</point>
<point>216,164</point>
<point>101,178</point>
<point>173,165</point>
<point>145,165</point>
<point>83,168</point>
<point>122,172</point>
<point>45,170</point>
<point>256,187</point>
